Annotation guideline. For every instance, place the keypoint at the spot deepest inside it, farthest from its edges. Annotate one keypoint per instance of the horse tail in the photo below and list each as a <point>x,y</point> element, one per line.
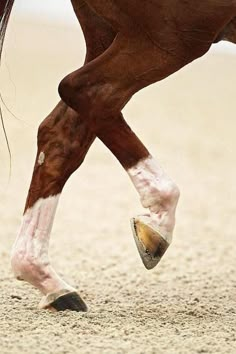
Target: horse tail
<point>5,12</point>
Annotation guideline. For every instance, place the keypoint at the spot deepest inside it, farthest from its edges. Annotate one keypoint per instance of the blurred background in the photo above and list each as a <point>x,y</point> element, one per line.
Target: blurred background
<point>57,11</point>
<point>188,122</point>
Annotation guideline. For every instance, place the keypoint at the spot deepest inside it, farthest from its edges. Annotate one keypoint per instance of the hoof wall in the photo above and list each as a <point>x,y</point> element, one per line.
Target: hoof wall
<point>150,243</point>
<point>67,301</point>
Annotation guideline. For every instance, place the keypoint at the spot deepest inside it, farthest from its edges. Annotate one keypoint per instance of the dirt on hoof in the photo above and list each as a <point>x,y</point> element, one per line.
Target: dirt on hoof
<point>187,304</point>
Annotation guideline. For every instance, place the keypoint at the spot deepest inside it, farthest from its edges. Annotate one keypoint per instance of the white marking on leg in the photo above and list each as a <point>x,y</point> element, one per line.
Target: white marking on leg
<point>30,260</point>
<point>158,193</point>
<point>41,158</point>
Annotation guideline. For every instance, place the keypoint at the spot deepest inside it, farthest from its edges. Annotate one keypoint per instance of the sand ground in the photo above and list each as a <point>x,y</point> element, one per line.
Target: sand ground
<point>188,303</point>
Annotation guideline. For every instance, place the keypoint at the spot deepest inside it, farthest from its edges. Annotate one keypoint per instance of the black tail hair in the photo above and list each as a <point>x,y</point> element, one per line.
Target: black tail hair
<point>5,11</point>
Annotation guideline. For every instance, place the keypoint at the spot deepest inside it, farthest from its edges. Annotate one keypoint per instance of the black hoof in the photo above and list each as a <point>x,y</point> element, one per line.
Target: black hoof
<point>71,301</point>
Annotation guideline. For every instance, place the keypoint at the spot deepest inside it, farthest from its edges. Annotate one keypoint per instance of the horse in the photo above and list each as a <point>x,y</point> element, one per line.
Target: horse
<point>130,45</point>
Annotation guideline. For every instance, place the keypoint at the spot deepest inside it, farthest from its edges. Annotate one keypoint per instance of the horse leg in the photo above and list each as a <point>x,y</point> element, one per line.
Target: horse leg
<point>153,233</point>
<point>63,141</point>
<point>158,193</point>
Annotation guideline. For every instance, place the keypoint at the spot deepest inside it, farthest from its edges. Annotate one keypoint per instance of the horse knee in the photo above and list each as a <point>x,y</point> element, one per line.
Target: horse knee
<point>26,266</point>
<point>84,95</point>
<point>65,90</point>
<point>92,96</point>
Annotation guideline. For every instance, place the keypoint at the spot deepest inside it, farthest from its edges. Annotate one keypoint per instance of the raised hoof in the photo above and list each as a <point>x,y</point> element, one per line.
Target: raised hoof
<point>150,243</point>
<point>63,301</point>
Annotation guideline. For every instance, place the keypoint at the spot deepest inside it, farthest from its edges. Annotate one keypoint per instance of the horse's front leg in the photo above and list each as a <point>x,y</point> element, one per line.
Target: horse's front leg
<point>158,193</point>
<point>63,141</point>
<point>100,89</point>
<point>152,233</point>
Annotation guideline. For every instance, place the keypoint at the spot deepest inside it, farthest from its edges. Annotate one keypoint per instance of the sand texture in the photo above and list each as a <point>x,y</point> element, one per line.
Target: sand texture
<point>185,305</point>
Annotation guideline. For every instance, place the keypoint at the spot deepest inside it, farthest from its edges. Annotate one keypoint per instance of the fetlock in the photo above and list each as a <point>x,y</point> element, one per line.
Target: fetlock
<point>157,191</point>
<point>27,267</point>
<point>160,195</point>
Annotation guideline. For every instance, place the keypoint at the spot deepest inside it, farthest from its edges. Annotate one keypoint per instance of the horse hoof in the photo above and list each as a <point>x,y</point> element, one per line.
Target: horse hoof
<point>62,301</point>
<point>150,243</point>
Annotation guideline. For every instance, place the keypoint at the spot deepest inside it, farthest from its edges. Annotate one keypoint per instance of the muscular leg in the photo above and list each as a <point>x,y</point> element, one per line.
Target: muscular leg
<point>63,141</point>
<point>152,42</point>
<point>115,133</point>
<point>156,190</point>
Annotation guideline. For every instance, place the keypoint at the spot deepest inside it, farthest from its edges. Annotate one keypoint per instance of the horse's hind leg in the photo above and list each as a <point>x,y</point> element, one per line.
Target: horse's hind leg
<point>63,141</point>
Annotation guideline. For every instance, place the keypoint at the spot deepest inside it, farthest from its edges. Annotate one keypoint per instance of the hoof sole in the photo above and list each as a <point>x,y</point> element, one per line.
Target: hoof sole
<point>150,243</point>
<point>67,301</point>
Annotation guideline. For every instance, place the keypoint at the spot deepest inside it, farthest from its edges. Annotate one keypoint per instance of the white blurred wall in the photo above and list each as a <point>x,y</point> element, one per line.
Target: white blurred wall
<point>60,12</point>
